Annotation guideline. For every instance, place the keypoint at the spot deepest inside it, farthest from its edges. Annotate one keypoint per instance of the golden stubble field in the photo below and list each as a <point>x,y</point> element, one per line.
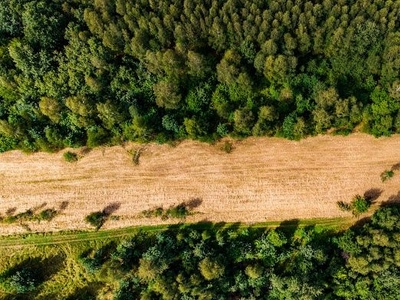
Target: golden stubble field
<point>262,179</point>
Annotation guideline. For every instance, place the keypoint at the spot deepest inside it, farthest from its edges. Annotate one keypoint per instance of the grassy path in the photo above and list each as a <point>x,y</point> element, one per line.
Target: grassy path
<point>41,239</point>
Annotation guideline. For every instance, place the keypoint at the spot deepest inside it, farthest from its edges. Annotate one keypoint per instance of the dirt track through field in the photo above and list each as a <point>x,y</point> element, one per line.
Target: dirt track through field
<point>262,179</point>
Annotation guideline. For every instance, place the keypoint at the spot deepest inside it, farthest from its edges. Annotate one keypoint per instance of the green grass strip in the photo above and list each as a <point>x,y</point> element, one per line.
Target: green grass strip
<point>52,238</point>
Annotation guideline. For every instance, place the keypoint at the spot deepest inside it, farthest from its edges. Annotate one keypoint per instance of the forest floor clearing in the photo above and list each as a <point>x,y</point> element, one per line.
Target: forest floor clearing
<point>261,180</point>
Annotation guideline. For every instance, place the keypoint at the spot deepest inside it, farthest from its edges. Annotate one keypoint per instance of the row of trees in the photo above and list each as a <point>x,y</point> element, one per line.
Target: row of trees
<point>216,261</point>
<point>210,261</point>
<point>91,72</point>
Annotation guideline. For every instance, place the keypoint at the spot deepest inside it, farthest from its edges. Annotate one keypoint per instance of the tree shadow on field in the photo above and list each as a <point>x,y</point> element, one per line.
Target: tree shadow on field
<point>208,225</point>
<point>288,227</point>
<point>232,227</point>
<point>63,205</point>
<point>193,203</point>
<point>224,229</point>
<point>98,218</point>
<point>111,208</point>
<point>11,211</point>
<point>372,195</point>
<point>29,275</point>
<point>201,225</point>
<point>38,207</point>
<point>205,227</point>
<point>395,198</point>
<point>85,150</point>
<point>392,200</point>
<point>360,222</point>
<point>396,167</point>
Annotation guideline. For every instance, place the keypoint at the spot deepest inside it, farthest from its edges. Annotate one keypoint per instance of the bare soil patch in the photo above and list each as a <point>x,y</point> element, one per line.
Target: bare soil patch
<point>262,179</point>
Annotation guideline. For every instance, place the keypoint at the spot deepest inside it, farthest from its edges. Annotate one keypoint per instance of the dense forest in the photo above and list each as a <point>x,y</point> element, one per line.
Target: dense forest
<point>83,72</point>
<point>218,261</point>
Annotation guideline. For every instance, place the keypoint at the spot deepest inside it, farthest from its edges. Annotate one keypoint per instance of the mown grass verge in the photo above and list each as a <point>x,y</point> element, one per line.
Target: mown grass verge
<point>65,237</point>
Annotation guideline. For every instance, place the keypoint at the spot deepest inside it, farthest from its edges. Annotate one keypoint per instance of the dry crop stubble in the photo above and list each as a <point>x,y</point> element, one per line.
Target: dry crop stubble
<point>262,179</point>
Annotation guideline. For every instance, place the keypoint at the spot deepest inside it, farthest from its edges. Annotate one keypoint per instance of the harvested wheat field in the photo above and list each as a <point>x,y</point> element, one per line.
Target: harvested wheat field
<point>262,179</point>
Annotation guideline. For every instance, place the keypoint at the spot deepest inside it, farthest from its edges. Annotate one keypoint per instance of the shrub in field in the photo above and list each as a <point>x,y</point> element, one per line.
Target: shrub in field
<point>47,214</point>
<point>24,216</point>
<point>387,174</point>
<point>150,213</point>
<point>135,153</point>
<point>135,157</point>
<point>180,211</point>
<point>96,219</point>
<point>227,147</point>
<point>359,205</point>
<point>9,219</point>
<point>70,156</point>
<point>29,215</point>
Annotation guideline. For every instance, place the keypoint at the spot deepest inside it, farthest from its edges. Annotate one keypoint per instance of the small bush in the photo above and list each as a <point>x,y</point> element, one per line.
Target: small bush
<point>26,215</point>
<point>156,212</point>
<point>47,214</point>
<point>96,219</point>
<point>179,212</point>
<point>359,205</point>
<point>387,174</point>
<point>29,215</point>
<point>136,155</point>
<point>70,156</point>
<point>135,158</point>
<point>9,219</point>
<point>147,213</point>
<point>227,147</point>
